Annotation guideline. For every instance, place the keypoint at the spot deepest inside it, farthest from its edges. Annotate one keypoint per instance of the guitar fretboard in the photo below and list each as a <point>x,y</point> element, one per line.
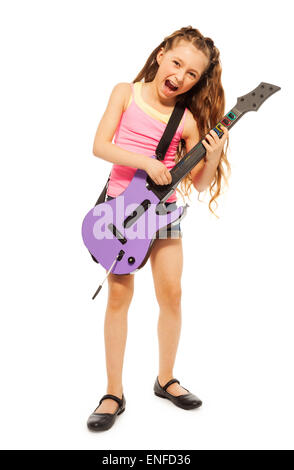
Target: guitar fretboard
<point>250,102</point>
<point>185,165</point>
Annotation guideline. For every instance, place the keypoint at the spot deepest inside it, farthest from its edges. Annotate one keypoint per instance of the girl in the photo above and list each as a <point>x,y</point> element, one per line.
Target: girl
<point>184,67</point>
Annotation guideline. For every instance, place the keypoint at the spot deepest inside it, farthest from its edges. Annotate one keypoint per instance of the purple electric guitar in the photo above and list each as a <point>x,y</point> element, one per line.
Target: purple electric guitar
<point>120,233</point>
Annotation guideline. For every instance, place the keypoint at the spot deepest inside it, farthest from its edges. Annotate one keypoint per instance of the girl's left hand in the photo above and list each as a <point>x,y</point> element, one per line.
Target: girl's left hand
<point>215,145</point>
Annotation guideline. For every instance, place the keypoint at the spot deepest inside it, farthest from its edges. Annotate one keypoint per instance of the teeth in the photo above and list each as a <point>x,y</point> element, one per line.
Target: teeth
<point>172,83</point>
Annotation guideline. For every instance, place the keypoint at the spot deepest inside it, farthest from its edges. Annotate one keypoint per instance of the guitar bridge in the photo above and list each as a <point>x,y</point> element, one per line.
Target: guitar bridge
<point>117,233</point>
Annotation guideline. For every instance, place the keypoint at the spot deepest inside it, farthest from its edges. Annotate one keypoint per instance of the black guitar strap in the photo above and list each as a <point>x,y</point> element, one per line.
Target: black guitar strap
<point>163,144</point>
<point>170,131</point>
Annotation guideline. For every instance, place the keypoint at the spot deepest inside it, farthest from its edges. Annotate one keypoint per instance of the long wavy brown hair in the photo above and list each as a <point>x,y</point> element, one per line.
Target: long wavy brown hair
<point>205,100</point>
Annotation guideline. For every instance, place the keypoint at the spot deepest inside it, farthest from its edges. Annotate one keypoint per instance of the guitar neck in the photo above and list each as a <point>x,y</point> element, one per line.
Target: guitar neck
<point>250,102</point>
<point>185,165</point>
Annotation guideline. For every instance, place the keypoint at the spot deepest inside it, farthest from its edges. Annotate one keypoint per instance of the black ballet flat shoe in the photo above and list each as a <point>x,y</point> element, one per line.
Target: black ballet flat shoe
<point>187,401</point>
<point>104,421</point>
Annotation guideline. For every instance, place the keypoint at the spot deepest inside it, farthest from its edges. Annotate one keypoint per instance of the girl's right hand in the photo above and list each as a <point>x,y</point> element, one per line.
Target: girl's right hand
<point>158,171</point>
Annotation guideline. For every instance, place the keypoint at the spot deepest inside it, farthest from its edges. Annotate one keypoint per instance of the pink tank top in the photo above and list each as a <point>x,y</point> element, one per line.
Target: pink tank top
<point>140,130</point>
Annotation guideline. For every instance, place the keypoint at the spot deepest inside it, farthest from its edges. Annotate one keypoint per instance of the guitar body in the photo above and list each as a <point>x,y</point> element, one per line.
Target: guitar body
<point>127,225</point>
<point>119,233</point>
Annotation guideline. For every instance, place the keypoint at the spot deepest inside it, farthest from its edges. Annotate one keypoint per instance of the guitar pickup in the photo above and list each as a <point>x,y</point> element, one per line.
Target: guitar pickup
<point>134,216</point>
<point>117,233</point>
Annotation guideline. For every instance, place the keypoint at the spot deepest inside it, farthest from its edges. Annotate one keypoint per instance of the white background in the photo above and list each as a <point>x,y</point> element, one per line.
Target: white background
<point>60,61</point>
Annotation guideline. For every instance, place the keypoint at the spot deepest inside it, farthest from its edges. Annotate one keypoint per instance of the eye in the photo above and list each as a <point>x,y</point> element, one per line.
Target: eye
<point>177,63</point>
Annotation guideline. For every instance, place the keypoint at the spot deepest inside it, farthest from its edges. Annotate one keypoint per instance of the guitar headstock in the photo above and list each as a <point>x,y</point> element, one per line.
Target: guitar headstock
<point>253,100</point>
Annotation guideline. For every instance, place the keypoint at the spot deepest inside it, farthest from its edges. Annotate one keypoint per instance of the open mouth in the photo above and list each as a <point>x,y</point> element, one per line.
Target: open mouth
<point>169,84</point>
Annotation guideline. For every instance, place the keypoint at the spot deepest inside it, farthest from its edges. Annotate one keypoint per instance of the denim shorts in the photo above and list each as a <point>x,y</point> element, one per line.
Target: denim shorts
<point>171,232</point>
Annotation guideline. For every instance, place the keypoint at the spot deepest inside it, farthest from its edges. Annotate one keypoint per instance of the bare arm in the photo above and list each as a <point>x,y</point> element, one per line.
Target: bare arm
<point>103,146</point>
<point>205,176</point>
<point>203,173</point>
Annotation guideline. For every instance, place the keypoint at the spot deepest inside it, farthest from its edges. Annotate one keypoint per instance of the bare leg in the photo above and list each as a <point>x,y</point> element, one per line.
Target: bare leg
<point>167,264</point>
<point>120,293</point>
